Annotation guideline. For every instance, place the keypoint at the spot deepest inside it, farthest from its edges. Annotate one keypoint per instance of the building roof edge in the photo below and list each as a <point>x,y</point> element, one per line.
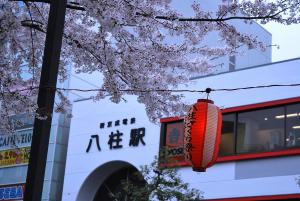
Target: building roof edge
<point>247,68</point>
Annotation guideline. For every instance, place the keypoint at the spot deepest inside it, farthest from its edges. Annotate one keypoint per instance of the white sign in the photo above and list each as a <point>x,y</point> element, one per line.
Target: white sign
<point>22,138</point>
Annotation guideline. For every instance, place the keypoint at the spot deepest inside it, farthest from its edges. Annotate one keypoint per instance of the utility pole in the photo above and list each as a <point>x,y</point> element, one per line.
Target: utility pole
<point>46,95</point>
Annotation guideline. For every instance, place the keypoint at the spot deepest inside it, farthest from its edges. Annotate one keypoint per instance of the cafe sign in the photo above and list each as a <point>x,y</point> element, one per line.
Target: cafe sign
<point>21,138</point>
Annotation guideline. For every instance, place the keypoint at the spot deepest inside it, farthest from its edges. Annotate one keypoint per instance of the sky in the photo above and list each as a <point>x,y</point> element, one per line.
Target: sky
<point>287,37</point>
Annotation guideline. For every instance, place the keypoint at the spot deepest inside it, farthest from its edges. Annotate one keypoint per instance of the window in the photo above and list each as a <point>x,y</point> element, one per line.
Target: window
<point>232,63</point>
<point>292,125</point>
<point>227,137</point>
<point>260,130</point>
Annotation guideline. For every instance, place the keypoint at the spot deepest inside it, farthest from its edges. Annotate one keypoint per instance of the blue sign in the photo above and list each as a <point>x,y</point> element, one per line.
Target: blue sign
<point>12,192</point>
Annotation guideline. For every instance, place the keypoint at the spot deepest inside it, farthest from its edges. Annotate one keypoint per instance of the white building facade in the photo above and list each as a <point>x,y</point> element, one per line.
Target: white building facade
<point>260,145</point>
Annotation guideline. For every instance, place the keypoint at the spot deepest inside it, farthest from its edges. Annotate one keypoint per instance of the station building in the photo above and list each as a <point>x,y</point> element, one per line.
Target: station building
<point>260,143</point>
<point>259,151</point>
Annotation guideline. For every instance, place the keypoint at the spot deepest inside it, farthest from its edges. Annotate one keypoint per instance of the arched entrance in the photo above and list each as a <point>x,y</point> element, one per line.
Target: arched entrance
<point>112,187</point>
<point>105,182</point>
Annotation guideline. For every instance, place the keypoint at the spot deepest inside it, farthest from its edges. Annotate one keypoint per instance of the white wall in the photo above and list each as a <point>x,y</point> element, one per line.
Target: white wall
<point>286,72</point>
<point>87,117</point>
<point>220,180</point>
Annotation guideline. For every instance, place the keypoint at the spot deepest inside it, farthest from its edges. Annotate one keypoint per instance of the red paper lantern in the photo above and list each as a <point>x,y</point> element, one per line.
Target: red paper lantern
<point>202,134</point>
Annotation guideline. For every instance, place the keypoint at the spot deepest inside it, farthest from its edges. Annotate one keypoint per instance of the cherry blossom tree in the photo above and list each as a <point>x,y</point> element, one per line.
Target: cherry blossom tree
<point>127,42</point>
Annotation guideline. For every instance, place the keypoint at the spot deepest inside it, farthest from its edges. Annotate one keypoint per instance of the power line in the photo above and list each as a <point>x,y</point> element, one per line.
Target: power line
<point>258,87</point>
<point>207,90</point>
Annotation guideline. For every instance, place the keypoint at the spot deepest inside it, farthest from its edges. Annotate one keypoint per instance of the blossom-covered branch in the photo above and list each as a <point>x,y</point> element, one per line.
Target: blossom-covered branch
<point>134,44</point>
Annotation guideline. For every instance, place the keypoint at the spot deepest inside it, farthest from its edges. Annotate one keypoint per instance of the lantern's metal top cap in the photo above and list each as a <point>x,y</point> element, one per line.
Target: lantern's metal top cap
<point>205,100</point>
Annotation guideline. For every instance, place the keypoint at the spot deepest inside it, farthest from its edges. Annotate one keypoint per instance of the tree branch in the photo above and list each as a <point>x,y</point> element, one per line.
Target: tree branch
<point>213,19</point>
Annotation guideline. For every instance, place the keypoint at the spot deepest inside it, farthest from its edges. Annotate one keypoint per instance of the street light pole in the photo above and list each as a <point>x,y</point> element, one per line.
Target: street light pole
<point>46,95</point>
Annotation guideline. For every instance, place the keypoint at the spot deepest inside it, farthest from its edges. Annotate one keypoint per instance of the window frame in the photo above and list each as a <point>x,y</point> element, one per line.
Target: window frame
<point>259,106</point>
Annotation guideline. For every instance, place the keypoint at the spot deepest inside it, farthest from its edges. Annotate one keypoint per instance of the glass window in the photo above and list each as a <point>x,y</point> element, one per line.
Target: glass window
<point>227,136</point>
<point>293,125</point>
<point>260,130</point>
<point>231,63</point>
